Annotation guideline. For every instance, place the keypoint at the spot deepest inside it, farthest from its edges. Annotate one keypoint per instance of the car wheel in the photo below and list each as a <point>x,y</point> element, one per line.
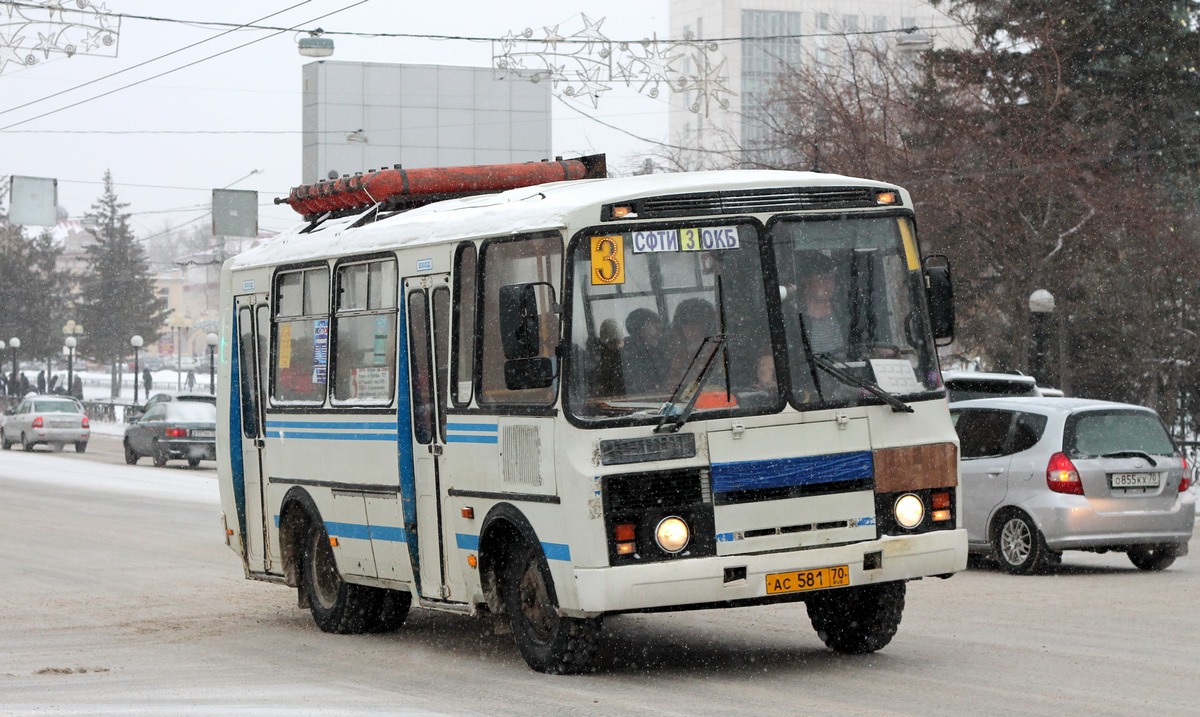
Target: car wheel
<point>1151,557</point>
<point>4,442</point>
<point>1018,545</point>
<point>25,445</point>
<point>80,446</point>
<point>131,456</point>
<point>159,456</point>
<point>858,620</point>
<point>337,606</point>
<point>193,462</point>
<point>548,641</point>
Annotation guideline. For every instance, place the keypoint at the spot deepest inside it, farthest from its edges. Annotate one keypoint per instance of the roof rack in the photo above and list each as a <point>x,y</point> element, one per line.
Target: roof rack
<point>400,189</point>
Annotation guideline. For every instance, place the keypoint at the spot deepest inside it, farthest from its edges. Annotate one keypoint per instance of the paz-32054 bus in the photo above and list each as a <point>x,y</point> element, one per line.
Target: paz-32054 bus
<point>484,391</point>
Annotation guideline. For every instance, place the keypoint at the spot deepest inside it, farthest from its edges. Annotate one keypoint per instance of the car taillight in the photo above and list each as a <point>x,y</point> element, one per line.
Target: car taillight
<point>1061,475</point>
<point>37,422</point>
<point>1186,481</point>
<point>86,423</point>
<point>176,433</point>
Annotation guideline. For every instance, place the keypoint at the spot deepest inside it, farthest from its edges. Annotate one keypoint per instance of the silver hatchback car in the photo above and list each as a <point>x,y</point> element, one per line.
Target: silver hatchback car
<point>1044,475</point>
<point>49,420</point>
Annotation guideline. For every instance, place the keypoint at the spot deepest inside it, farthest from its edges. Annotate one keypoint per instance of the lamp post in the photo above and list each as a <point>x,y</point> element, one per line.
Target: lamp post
<point>14,343</point>
<point>70,342</point>
<point>71,332</point>
<point>7,389</point>
<point>1041,305</point>
<point>212,340</point>
<point>136,343</point>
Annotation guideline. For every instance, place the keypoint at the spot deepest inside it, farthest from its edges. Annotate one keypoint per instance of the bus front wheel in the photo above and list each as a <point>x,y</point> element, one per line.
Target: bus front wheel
<point>857,620</point>
<point>548,641</point>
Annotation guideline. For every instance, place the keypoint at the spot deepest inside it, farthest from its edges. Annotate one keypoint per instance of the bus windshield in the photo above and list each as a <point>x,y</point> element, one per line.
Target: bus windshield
<point>847,314</point>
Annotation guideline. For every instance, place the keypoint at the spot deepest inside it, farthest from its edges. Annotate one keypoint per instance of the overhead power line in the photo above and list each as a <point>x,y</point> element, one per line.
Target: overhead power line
<point>181,67</point>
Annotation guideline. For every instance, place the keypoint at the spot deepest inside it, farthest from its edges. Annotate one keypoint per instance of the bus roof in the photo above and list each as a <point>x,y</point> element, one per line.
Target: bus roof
<point>526,209</point>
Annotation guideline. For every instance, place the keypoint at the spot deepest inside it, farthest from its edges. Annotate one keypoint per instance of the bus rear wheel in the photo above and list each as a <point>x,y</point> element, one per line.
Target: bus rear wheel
<point>341,607</point>
<point>857,620</point>
<point>549,642</point>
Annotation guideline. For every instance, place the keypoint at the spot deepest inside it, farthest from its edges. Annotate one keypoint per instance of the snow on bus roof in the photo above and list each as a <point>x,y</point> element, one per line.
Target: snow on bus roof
<point>515,211</point>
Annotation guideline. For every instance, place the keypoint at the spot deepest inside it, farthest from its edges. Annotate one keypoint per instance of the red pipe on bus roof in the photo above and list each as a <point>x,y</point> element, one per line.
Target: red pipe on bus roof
<point>431,183</point>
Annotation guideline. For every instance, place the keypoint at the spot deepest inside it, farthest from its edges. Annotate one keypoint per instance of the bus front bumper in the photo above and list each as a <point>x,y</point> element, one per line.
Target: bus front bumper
<point>700,581</point>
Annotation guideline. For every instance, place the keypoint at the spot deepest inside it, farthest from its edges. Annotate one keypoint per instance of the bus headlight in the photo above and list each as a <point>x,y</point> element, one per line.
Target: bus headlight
<point>672,534</point>
<point>909,511</point>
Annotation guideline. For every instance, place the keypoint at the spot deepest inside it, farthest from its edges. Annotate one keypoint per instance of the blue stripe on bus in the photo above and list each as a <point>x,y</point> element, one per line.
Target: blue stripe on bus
<point>452,438</point>
<point>790,472</point>
<point>552,551</point>
<point>237,467</point>
<point>358,531</point>
<point>365,425</point>
<point>332,436</point>
<point>481,427</point>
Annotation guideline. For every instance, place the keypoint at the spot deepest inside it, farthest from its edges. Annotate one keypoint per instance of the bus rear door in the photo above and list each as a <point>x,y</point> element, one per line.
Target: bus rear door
<point>253,331</point>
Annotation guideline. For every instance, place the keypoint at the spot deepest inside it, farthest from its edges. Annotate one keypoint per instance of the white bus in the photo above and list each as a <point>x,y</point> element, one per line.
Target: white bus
<point>589,397</point>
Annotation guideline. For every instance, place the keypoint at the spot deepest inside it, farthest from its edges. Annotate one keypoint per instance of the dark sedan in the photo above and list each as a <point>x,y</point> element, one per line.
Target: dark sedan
<point>184,430</point>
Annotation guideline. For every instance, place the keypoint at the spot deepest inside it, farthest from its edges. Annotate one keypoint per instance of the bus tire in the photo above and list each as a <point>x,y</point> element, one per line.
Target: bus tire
<point>549,642</point>
<point>858,620</point>
<point>389,610</point>
<point>337,606</point>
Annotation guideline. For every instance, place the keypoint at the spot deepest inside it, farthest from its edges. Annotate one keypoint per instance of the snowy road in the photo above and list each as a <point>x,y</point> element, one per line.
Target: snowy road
<point>120,598</point>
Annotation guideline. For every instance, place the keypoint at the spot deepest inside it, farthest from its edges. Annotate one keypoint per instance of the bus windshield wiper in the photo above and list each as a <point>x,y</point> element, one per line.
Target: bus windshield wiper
<point>832,368</point>
<point>1131,454</point>
<point>676,411</point>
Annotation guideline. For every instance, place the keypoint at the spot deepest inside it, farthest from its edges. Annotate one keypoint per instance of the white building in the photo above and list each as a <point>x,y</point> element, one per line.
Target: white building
<point>776,35</point>
<point>364,115</point>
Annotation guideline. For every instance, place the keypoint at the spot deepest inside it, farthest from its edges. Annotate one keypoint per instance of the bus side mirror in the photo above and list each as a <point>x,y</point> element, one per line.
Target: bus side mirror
<point>939,293</point>
<point>524,373</point>
<point>520,318</point>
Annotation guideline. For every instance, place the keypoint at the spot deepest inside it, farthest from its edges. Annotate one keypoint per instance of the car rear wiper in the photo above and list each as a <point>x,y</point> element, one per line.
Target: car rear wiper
<point>830,367</point>
<point>1131,454</point>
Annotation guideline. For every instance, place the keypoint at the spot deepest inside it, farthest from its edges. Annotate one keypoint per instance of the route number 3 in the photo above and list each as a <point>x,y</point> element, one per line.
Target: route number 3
<point>608,260</point>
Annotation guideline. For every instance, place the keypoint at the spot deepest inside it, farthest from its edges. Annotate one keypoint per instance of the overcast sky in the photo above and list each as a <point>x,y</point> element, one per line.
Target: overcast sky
<point>170,140</point>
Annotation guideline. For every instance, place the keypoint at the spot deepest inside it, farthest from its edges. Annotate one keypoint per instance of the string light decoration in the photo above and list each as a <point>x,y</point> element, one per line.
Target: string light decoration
<point>584,65</point>
<point>31,31</point>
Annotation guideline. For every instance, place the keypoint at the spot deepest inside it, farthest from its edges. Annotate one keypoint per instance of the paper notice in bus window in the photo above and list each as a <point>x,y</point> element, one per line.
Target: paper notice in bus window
<point>895,376</point>
<point>708,238</point>
<point>608,260</point>
<point>369,382</point>
<point>285,345</point>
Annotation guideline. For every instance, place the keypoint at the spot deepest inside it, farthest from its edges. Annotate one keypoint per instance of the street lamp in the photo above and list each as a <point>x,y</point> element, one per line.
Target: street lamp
<point>14,343</point>
<point>212,340</point>
<point>70,342</point>
<point>2,347</point>
<point>71,332</point>
<point>136,343</point>
<point>1041,305</point>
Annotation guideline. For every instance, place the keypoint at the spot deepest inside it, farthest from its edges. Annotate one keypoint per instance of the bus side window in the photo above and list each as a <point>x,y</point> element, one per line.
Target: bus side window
<point>301,355</point>
<point>364,361</point>
<point>505,262</point>
<point>462,364</point>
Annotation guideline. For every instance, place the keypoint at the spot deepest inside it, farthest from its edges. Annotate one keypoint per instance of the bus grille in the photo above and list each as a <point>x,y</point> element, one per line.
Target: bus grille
<point>792,199</point>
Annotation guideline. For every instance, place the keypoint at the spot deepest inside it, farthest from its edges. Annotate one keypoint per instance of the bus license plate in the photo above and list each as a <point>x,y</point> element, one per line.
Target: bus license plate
<point>797,580</point>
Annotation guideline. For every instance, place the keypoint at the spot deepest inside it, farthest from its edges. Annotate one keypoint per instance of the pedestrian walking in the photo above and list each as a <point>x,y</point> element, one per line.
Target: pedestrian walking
<point>77,388</point>
<point>190,383</point>
<point>41,382</point>
<point>147,381</point>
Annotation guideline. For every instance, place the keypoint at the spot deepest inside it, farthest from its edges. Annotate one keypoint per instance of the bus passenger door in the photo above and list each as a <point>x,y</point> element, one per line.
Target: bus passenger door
<point>427,306</point>
<point>253,328</point>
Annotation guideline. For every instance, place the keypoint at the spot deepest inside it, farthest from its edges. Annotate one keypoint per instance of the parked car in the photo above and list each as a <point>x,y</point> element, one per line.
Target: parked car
<point>968,385</point>
<point>176,429</point>
<point>165,397</point>
<point>52,421</point>
<point>1044,475</point>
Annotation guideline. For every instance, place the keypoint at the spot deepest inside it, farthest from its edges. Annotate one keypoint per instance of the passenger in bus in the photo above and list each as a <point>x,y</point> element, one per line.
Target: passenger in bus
<point>643,362</point>
<point>695,319</point>
<point>605,375</point>
<point>826,333</point>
